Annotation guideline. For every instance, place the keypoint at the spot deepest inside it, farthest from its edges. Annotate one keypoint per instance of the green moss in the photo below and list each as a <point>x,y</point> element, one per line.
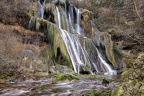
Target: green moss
<point>50,32</point>
<point>141,91</point>
<point>110,30</point>
<point>41,25</point>
<point>32,23</point>
<point>58,45</point>
<point>37,26</point>
<point>98,93</point>
<point>139,61</point>
<point>32,10</point>
<point>125,75</point>
<point>47,7</point>
<point>64,26</point>
<point>107,42</point>
<point>84,69</point>
<point>89,45</point>
<point>118,91</point>
<point>105,81</point>
<point>131,81</point>
<point>66,76</point>
<point>7,74</point>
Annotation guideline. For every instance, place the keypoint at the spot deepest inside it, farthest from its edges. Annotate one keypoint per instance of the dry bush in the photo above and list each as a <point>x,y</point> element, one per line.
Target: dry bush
<point>11,40</point>
<point>8,41</point>
<point>15,12</point>
<point>11,46</point>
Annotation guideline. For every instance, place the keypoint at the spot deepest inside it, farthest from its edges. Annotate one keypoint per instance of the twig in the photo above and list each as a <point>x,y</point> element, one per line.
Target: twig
<point>136,9</point>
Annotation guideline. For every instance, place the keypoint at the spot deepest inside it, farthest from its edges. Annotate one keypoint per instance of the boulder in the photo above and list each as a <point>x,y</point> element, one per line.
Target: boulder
<point>132,80</point>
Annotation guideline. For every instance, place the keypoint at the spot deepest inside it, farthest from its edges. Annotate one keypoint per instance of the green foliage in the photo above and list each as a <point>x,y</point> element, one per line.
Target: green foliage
<point>67,76</point>
<point>32,10</point>
<point>64,26</point>
<point>98,93</point>
<point>7,74</point>
<point>6,67</point>
<point>118,91</point>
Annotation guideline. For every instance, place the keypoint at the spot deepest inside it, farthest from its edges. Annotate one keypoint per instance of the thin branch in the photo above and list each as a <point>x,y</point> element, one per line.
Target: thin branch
<point>136,9</point>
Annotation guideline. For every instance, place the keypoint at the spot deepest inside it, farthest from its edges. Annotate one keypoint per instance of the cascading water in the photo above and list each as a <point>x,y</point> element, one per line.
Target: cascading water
<point>68,20</point>
<point>109,70</point>
<point>78,53</point>
<point>40,10</point>
<point>77,21</point>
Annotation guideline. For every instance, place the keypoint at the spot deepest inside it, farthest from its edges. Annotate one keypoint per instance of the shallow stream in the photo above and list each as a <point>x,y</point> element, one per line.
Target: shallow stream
<point>45,86</point>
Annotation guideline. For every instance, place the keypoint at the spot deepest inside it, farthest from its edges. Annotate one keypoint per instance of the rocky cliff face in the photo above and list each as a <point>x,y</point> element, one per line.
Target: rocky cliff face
<point>132,83</point>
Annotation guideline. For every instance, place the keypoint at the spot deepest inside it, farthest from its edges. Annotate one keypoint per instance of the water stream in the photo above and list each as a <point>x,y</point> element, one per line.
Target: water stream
<point>77,52</point>
<point>44,86</point>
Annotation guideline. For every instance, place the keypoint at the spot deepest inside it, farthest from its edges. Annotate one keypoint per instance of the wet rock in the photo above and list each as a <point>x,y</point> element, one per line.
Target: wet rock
<point>103,39</point>
<point>97,93</point>
<point>7,67</point>
<point>58,69</point>
<point>86,16</point>
<point>132,85</point>
<point>105,82</point>
<point>63,73</point>
<point>84,69</point>
<point>67,76</point>
<point>52,33</point>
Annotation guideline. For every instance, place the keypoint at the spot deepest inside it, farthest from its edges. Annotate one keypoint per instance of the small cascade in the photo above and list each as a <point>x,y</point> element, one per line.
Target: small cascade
<point>40,10</point>
<point>78,53</point>
<point>77,21</point>
<point>109,70</point>
<point>73,46</point>
<point>71,17</point>
<point>58,18</point>
<point>74,19</point>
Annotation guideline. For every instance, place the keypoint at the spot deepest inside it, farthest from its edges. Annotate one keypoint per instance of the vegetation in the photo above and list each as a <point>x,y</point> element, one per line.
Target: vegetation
<point>98,93</point>
<point>67,76</point>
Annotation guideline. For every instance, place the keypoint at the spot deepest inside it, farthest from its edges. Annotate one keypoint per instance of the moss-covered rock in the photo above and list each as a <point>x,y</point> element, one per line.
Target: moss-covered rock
<point>58,69</point>
<point>132,80</point>
<point>62,72</point>
<point>59,49</point>
<point>118,91</point>
<point>103,39</point>
<point>84,69</point>
<point>32,9</point>
<point>97,93</point>
<point>67,76</point>
<point>59,52</point>
<point>7,67</point>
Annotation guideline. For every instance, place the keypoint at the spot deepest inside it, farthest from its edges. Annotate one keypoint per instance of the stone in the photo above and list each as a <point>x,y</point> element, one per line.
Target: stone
<point>105,82</point>
<point>83,69</point>
<point>62,72</point>
<point>67,76</point>
<point>133,85</point>
<point>58,69</point>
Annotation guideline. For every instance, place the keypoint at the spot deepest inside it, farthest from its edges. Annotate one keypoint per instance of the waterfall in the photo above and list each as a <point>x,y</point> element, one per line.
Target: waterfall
<point>40,10</point>
<point>78,52</point>
<point>83,54</point>
<point>77,20</point>
<point>109,70</point>
<point>74,48</point>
